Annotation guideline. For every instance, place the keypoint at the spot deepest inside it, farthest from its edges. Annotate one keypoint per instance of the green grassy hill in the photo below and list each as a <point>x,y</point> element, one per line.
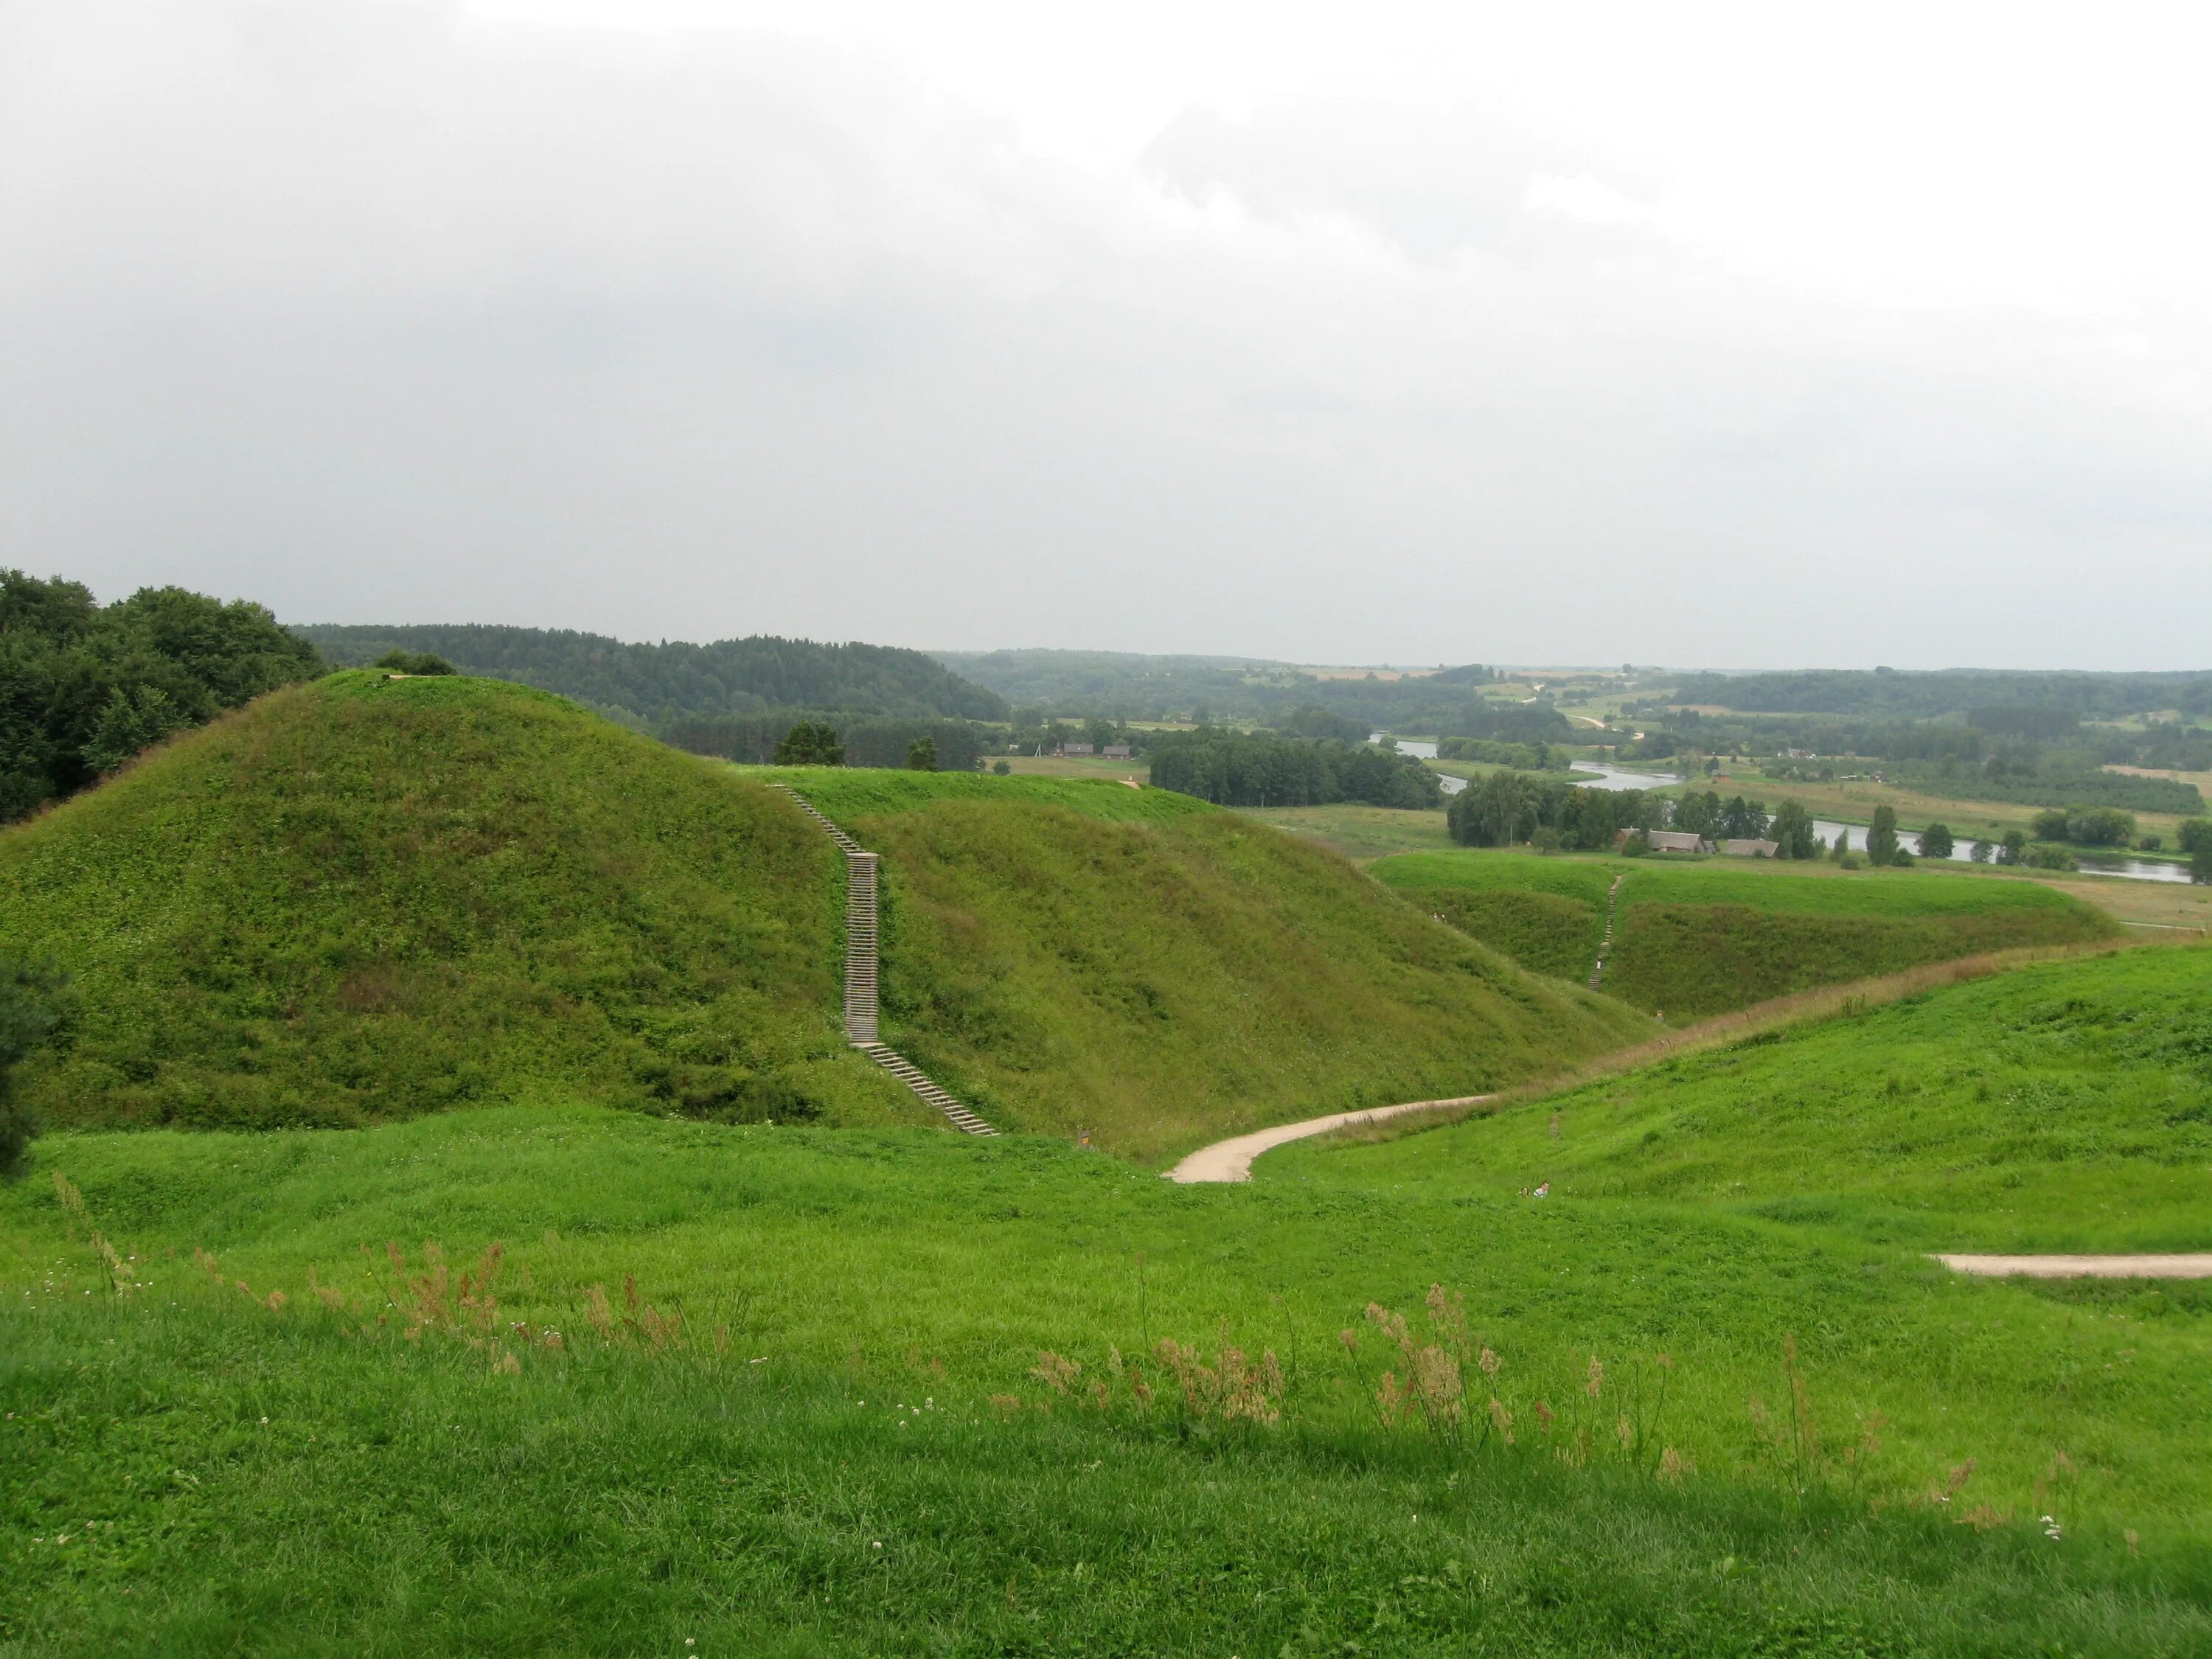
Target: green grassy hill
<point>365,898</point>
<point>2064,1107</point>
<point>361,899</point>
<point>1697,939</point>
<point>1068,953</point>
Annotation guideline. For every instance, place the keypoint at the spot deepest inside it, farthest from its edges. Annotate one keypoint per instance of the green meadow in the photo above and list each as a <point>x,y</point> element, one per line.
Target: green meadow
<point>819,1391</point>
<point>678,1329</point>
<point>1695,939</point>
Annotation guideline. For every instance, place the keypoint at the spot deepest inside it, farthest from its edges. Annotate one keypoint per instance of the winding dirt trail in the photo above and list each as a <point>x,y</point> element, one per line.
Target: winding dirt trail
<point>2197,1266</point>
<point>1232,1159</point>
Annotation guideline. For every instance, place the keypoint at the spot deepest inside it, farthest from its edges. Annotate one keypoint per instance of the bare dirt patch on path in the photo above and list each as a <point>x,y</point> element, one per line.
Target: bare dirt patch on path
<point>1231,1160</point>
<point>2194,1265</point>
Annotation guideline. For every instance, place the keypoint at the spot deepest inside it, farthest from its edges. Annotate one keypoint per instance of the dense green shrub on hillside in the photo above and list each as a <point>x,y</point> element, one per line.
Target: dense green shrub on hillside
<point>32,1000</point>
<point>397,661</point>
<point>1256,769</point>
<point>84,687</point>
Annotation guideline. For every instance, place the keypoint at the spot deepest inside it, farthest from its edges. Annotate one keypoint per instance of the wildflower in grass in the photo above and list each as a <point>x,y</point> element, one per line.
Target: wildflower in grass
<point>1489,1362</point>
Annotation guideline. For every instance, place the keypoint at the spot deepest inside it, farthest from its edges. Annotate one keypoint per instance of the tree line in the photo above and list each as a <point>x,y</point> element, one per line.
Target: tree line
<point>1267,768</point>
<point>653,686</point>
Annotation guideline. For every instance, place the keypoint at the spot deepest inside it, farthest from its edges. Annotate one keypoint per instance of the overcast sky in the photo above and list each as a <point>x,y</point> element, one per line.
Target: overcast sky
<point>1730,337</point>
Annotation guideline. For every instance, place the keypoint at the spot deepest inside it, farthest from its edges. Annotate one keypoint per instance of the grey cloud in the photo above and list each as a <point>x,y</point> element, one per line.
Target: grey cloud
<point>1431,173</point>
<point>375,313</point>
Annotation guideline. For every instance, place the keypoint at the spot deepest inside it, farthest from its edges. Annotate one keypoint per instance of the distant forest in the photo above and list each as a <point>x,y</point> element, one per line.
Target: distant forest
<point>1927,695</point>
<point>1239,768</point>
<point>1124,686</point>
<point>653,686</point>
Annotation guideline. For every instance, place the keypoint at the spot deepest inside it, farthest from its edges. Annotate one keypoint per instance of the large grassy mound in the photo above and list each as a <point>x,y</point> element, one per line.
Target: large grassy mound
<point>364,898</point>
<point>775,1432</point>
<point>2062,1106</point>
<point>1078,955</point>
<point>1692,940</point>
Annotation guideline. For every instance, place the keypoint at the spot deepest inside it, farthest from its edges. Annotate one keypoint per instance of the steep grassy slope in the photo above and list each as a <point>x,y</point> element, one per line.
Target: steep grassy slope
<point>266,1477</point>
<point>1166,981</point>
<point>1701,938</point>
<point>2062,1106</point>
<point>362,898</point>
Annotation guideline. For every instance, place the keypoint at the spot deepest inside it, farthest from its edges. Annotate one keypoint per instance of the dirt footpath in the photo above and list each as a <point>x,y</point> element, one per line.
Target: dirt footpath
<point>1231,1160</point>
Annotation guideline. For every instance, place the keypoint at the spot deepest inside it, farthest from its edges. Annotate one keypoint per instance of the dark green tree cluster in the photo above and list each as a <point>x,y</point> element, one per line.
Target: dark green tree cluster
<point>1489,751</point>
<point>921,755</point>
<point>1507,808</point>
<point>32,1000</point>
<point>2086,826</point>
<point>810,742</point>
<point>1312,721</point>
<point>1936,842</point>
<point>83,686</point>
<point>1706,814</point>
<point>2195,838</point>
<point>397,661</point>
<point>1260,769</point>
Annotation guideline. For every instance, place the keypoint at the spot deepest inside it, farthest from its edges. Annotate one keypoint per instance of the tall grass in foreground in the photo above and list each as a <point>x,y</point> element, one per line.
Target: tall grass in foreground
<point>241,1473</point>
<point>1432,1378</point>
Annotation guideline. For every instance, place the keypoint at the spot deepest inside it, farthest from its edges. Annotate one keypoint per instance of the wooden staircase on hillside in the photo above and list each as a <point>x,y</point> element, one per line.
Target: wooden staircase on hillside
<point>861,967</point>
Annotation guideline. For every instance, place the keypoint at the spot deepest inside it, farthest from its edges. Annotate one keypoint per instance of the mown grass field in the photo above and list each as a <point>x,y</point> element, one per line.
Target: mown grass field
<point>786,1443</point>
<point>1697,939</point>
<point>1068,955</point>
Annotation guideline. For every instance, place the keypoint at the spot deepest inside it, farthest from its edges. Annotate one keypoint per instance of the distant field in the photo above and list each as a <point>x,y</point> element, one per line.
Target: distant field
<point>1359,833</point>
<point>1854,803</point>
<point>1076,766</point>
<point>1699,938</point>
<point>843,792</point>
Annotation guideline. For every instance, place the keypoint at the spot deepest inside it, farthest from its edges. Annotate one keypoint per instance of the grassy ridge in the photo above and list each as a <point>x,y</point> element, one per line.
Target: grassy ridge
<point>1694,939</point>
<point>416,1497</point>
<point>844,793</point>
<point>2063,1107</point>
<point>362,898</point>
<point>1165,981</point>
<point>366,898</point>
